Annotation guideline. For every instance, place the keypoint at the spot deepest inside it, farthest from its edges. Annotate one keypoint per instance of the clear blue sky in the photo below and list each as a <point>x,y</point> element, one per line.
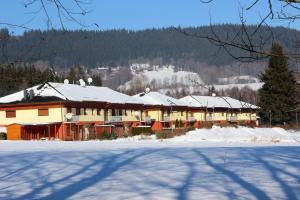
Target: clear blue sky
<point>138,14</point>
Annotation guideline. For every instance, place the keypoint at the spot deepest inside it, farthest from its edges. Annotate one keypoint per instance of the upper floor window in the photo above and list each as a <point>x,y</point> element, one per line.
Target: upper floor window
<point>113,112</point>
<point>116,112</point>
<point>98,111</point>
<point>43,112</point>
<point>85,111</point>
<point>77,111</point>
<point>69,110</point>
<point>10,113</point>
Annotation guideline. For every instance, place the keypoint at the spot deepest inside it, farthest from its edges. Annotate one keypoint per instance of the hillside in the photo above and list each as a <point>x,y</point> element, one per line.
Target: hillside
<point>159,77</point>
<point>63,49</point>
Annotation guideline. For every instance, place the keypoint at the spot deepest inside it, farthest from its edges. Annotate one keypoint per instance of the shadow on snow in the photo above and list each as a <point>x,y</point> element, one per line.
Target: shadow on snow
<point>226,172</point>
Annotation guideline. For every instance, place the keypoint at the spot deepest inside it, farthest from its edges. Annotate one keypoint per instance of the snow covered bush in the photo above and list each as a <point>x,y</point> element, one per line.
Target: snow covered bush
<point>207,125</point>
<point>191,128</point>
<point>165,134</point>
<point>141,131</point>
<point>113,136</point>
<point>104,135</point>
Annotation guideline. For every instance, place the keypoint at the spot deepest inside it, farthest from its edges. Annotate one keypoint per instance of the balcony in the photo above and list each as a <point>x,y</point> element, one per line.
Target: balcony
<point>166,118</point>
<point>209,118</point>
<point>232,118</point>
<point>148,120</point>
<point>191,119</point>
<point>113,119</point>
<point>253,118</point>
<point>74,119</point>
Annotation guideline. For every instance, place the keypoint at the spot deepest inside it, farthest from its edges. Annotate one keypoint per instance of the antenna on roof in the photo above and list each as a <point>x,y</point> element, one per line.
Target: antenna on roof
<point>81,82</point>
<point>26,95</point>
<point>31,94</point>
<point>90,80</point>
<point>147,90</point>
<point>66,81</point>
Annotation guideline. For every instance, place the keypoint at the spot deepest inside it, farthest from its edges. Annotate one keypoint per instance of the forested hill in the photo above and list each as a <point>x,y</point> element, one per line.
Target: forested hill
<point>117,47</point>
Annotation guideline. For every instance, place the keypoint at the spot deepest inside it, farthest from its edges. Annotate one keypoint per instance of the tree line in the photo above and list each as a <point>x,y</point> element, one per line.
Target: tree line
<point>64,48</point>
<point>17,78</point>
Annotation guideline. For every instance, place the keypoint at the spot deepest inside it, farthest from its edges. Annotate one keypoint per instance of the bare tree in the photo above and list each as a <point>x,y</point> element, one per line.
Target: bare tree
<point>52,10</point>
<point>254,44</point>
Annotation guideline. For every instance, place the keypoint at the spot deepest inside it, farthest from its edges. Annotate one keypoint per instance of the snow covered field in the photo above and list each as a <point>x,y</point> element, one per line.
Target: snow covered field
<point>178,168</point>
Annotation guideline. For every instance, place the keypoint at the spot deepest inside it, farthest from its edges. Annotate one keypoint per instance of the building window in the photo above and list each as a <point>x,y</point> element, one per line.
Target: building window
<point>168,113</point>
<point>116,112</point>
<point>181,113</point>
<point>10,113</point>
<point>85,111</point>
<point>69,110</point>
<point>43,112</point>
<point>77,111</point>
<point>98,111</point>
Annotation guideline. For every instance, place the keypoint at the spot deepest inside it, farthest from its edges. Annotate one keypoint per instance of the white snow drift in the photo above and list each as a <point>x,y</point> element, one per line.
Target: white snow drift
<point>240,135</point>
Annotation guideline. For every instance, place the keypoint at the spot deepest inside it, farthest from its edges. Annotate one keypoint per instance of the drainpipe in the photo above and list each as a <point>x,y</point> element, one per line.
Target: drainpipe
<point>62,121</point>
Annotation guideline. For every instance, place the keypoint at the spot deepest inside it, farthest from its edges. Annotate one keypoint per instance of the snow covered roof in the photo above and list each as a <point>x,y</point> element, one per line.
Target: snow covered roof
<point>73,92</point>
<point>156,98</point>
<point>215,102</point>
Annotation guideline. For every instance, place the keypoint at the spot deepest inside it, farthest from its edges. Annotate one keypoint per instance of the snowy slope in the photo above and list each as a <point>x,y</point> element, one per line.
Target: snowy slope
<point>238,80</point>
<point>164,77</point>
<point>253,86</point>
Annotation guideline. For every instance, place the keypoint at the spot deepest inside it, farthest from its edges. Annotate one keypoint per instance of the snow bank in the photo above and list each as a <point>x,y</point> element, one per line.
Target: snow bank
<point>240,134</point>
<point>253,86</point>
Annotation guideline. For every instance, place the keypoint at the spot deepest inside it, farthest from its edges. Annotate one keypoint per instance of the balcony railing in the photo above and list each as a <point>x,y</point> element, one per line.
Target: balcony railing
<point>209,118</point>
<point>74,119</point>
<point>166,118</point>
<point>191,119</point>
<point>115,119</point>
<point>232,118</point>
<point>253,118</point>
<point>148,120</point>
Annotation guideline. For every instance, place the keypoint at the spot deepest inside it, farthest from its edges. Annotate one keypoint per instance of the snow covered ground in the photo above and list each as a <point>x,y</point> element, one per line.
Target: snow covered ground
<point>178,168</point>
